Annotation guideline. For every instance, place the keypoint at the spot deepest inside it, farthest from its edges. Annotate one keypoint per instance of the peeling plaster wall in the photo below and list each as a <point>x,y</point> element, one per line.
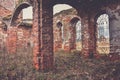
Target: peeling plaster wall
<point>114,15</point>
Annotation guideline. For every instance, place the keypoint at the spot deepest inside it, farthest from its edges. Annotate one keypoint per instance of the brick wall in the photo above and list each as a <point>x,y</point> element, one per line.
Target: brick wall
<point>3,36</point>
<point>66,43</point>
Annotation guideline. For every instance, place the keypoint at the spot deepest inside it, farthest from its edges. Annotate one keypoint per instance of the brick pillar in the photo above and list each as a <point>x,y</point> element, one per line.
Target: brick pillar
<point>43,35</point>
<point>88,36</point>
<point>36,34</point>
<point>92,37</point>
<point>47,35</point>
<point>85,36</point>
<point>12,40</point>
<point>72,40</point>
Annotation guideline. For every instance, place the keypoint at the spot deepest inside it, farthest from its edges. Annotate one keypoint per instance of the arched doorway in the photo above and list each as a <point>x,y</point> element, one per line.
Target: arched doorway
<point>24,30</point>
<point>62,16</point>
<point>43,32</point>
<point>16,15</point>
<point>103,36</point>
<point>18,20</point>
<point>76,34</point>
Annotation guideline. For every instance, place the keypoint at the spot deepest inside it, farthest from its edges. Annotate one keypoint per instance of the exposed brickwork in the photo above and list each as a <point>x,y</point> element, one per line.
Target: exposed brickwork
<point>43,37</point>
<point>69,34</point>
<point>12,40</point>
<point>57,39</point>
<point>40,36</point>
<point>72,39</point>
<point>86,36</point>
<point>92,36</point>
<point>46,37</point>
<point>24,38</point>
<point>3,36</point>
<point>35,35</point>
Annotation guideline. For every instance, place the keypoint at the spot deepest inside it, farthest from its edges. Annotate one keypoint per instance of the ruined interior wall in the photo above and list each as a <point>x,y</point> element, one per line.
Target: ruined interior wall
<point>65,20</point>
<point>114,14</point>
<point>3,37</point>
<point>66,43</point>
<point>46,26</point>
<point>24,39</point>
<point>12,40</point>
<point>18,39</point>
<point>42,34</point>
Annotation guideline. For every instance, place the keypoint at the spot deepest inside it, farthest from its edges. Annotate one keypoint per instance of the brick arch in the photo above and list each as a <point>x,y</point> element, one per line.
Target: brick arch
<point>97,15</point>
<point>95,21</point>
<point>73,10</point>
<point>59,24</point>
<point>68,2</point>
<point>73,23</point>
<point>18,10</point>
<point>76,4</point>
<point>43,32</point>
<point>74,20</point>
<point>67,46</point>
<point>100,13</point>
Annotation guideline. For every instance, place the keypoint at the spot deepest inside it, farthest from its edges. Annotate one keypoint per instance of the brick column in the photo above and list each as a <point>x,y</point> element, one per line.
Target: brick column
<point>85,36</point>
<point>47,35</point>
<point>72,40</point>
<point>36,34</point>
<point>88,36</point>
<point>43,35</point>
<point>92,38</point>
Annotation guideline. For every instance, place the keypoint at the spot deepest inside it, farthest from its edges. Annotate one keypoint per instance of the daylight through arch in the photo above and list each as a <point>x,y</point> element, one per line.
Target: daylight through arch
<point>103,43</point>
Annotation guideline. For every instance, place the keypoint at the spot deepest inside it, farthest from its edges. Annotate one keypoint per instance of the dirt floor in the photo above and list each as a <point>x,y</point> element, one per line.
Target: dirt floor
<point>68,66</point>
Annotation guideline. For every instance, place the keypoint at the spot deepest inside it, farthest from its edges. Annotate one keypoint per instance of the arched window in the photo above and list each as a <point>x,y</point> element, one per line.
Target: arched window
<point>17,15</point>
<point>78,36</point>
<point>27,15</point>
<point>59,24</point>
<point>103,44</point>
<point>63,13</point>
<point>78,31</point>
<point>59,14</point>
<point>62,32</point>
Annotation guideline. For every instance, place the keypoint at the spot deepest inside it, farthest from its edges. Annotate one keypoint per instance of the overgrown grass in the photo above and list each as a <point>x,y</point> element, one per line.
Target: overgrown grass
<point>68,66</point>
